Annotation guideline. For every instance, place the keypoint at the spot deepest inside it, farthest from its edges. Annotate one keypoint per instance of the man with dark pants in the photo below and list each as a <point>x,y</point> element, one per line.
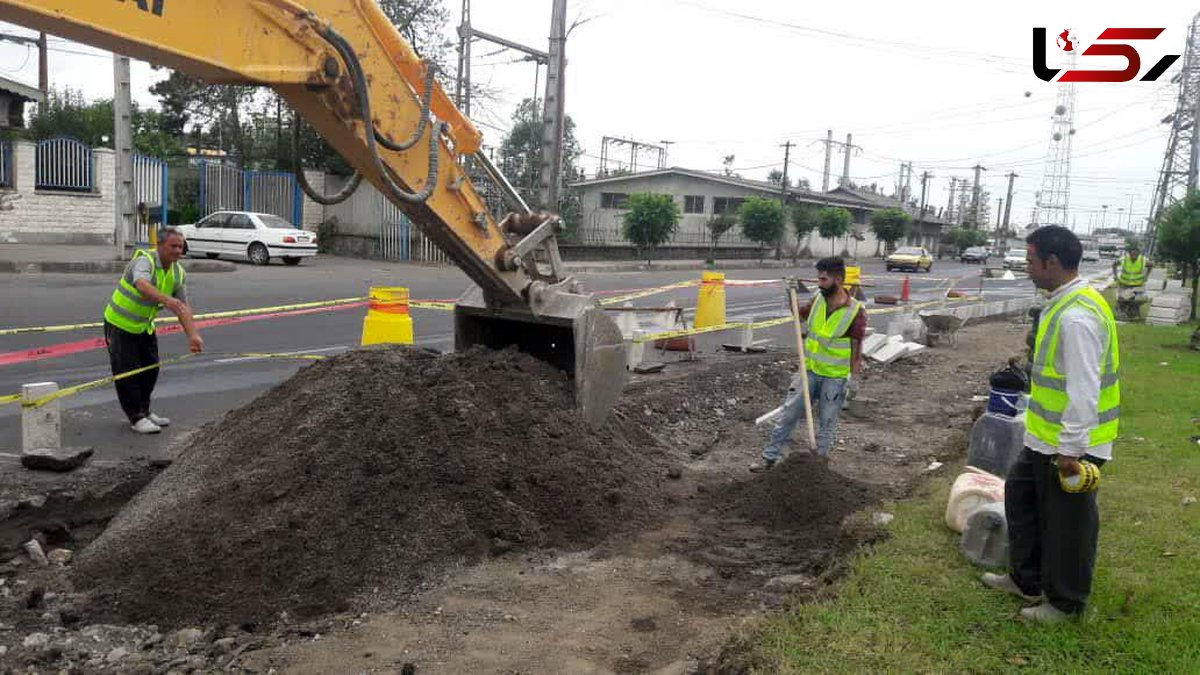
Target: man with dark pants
<point>151,281</point>
<point>836,325</point>
<point>1072,416</point>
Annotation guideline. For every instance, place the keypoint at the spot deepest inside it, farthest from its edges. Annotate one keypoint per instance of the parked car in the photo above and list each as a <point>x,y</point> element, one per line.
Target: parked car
<point>1091,255</point>
<point>258,237</point>
<point>1015,260</point>
<point>975,254</point>
<point>912,258</point>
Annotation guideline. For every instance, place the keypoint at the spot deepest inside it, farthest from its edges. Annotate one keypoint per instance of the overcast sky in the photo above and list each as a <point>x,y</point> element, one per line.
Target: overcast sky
<point>943,86</point>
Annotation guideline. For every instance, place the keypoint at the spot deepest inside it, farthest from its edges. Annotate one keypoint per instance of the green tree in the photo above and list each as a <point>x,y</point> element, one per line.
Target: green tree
<point>762,221</point>
<point>68,113</point>
<point>1179,239</point>
<point>890,225</point>
<point>650,221</point>
<point>804,221</point>
<point>776,177</point>
<point>963,238</point>
<point>833,222</point>
<point>521,152</point>
<point>717,226</point>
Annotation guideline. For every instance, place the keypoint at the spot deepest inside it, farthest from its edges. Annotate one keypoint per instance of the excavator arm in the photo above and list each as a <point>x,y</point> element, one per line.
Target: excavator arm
<point>344,68</point>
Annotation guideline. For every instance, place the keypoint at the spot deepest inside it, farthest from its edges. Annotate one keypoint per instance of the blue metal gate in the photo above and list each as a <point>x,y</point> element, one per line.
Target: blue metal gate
<point>228,188</point>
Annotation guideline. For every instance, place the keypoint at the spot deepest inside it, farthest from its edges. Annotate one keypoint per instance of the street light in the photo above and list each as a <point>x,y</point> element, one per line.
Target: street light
<point>1103,215</point>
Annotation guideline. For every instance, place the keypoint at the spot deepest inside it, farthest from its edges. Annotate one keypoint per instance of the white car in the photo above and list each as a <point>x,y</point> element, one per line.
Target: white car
<point>257,237</point>
<point>1091,255</point>
<point>1015,260</point>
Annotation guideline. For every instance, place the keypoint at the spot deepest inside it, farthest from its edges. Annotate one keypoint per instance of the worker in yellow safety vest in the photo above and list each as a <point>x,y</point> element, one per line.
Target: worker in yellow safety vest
<point>1131,270</point>
<point>152,280</point>
<point>836,326</point>
<point>1070,425</point>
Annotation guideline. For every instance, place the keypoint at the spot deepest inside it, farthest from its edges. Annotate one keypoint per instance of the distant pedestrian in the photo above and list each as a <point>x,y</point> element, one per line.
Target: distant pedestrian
<point>836,326</point>
<point>152,280</point>
<point>1071,420</point>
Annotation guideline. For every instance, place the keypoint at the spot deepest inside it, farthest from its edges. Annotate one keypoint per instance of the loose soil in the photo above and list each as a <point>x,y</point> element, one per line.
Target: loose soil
<point>390,507</point>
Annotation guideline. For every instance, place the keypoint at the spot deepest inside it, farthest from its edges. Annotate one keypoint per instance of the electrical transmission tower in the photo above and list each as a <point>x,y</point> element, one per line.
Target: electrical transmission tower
<point>1181,163</point>
<point>1053,201</point>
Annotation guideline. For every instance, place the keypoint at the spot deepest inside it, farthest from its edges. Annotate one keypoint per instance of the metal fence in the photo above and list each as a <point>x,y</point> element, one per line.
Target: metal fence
<point>401,241</point>
<point>64,163</point>
<point>228,188</point>
<point>222,188</point>
<point>149,194</point>
<point>273,192</point>
<point>6,163</point>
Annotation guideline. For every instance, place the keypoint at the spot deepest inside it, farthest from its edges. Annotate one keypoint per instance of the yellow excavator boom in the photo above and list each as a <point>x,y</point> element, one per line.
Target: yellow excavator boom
<point>347,71</point>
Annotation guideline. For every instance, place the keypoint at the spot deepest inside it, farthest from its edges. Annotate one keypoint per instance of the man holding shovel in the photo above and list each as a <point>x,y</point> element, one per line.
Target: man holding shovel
<point>831,356</point>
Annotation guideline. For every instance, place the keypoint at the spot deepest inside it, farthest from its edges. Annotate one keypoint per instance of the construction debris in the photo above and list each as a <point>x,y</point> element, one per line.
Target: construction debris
<point>367,475</point>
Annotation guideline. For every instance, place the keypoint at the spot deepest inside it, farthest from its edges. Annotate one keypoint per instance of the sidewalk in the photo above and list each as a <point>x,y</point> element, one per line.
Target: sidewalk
<point>76,259</point>
<point>49,258</point>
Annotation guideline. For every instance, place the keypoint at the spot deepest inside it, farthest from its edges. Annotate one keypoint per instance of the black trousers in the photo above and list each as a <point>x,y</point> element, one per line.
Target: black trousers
<point>126,352</point>
<point>1052,534</point>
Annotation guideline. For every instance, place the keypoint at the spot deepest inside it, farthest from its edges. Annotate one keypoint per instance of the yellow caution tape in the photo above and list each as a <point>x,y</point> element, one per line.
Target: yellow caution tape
<point>87,386</point>
<point>198,317</point>
<point>423,304</point>
<point>648,292</point>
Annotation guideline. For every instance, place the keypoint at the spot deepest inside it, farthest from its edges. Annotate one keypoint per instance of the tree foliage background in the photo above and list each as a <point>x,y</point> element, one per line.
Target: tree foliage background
<point>650,221</point>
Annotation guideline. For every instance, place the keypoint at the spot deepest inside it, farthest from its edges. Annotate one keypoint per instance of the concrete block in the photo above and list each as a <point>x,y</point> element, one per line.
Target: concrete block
<point>636,351</point>
<point>873,343</point>
<point>890,352</point>
<point>1172,301</point>
<point>1173,284</point>
<point>41,427</point>
<point>913,347</point>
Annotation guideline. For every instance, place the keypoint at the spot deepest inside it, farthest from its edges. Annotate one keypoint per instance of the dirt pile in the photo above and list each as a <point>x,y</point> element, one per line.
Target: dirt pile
<point>371,472</point>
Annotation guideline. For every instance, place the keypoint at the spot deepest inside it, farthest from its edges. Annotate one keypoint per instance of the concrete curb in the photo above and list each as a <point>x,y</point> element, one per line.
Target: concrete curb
<point>102,267</point>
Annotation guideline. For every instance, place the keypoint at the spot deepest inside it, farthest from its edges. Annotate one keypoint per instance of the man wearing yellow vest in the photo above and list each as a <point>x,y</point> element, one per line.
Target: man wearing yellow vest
<point>1072,417</point>
<point>836,325</point>
<point>1132,269</point>
<point>151,281</point>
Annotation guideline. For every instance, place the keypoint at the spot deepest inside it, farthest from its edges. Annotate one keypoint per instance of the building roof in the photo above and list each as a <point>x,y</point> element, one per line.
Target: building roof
<point>733,181</point>
<point>21,90</point>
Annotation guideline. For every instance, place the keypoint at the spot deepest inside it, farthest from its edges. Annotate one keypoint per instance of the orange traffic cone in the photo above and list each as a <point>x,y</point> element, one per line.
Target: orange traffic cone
<point>904,290</point>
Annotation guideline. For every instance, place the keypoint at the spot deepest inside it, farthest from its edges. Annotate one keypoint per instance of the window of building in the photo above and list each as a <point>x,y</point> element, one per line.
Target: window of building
<point>614,200</point>
<point>727,204</point>
<point>693,204</point>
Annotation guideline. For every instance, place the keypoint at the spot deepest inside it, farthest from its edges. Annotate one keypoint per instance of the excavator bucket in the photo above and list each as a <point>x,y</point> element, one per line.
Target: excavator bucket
<point>569,331</point>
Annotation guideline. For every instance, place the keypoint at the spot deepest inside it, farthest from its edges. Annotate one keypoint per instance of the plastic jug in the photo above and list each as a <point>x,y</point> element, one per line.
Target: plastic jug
<point>996,440</point>
<point>971,490</point>
<point>985,539</point>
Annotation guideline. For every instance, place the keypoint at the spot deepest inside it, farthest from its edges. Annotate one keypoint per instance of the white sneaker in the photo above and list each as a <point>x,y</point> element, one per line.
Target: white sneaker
<point>1003,582</point>
<point>1045,613</point>
<point>160,421</point>
<point>145,426</point>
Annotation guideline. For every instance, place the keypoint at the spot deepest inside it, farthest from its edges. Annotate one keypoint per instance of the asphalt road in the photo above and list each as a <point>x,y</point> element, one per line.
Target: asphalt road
<point>200,390</point>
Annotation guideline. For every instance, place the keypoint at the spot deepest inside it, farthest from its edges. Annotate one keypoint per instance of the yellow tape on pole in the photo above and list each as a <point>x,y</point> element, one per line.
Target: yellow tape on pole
<point>11,398</point>
<point>648,292</point>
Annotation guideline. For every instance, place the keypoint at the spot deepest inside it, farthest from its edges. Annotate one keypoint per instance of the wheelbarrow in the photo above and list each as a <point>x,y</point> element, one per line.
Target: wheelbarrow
<point>941,325</point>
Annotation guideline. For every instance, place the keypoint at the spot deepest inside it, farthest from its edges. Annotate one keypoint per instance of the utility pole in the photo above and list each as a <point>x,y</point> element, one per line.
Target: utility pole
<point>462,86</point>
<point>783,184</point>
<point>846,166</point>
<point>665,153</point>
<point>977,202</point>
<point>999,208</point>
<point>925,176</point>
<point>43,65</point>
<point>555,108</point>
<point>1008,200</point>
<point>950,206</point>
<point>123,144</point>
<point>828,155</point>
